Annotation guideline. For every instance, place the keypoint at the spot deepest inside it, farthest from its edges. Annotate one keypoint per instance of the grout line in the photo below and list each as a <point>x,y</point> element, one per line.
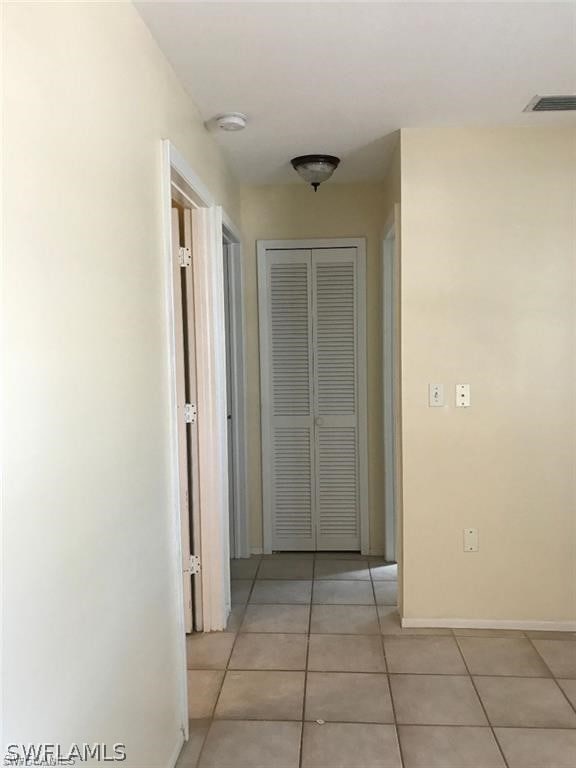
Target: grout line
<point>301,755</point>
<point>554,677</point>
<point>226,668</point>
<point>486,727</point>
<point>481,703</point>
<point>395,719</point>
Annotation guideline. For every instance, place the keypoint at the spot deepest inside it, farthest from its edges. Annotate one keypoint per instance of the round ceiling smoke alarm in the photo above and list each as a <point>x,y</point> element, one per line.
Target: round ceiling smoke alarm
<point>231,121</point>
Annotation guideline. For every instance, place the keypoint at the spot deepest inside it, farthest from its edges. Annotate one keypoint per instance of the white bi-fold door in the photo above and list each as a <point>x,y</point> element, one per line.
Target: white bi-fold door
<point>312,356</point>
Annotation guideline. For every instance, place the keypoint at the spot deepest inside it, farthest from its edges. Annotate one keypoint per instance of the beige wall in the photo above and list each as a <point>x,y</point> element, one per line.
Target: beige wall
<point>295,211</point>
<point>90,636</point>
<point>488,268</point>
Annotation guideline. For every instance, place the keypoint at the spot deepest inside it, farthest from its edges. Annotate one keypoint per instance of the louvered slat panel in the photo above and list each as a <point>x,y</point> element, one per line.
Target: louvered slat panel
<point>338,518</point>
<point>292,472</point>
<point>335,339</point>
<point>335,379</point>
<point>289,313</point>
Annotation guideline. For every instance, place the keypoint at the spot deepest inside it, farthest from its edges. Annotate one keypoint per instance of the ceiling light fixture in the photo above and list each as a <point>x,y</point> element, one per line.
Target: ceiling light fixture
<point>315,168</point>
<point>231,121</point>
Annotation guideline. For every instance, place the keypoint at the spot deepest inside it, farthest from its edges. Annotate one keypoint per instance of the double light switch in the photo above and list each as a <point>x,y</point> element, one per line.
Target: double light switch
<point>436,395</point>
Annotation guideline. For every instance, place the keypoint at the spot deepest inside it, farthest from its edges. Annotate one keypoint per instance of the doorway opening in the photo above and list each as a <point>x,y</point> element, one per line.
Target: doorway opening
<point>197,233</point>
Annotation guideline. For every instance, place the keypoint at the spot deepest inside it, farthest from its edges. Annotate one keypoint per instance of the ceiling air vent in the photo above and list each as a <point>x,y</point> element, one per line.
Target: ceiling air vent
<point>551,104</point>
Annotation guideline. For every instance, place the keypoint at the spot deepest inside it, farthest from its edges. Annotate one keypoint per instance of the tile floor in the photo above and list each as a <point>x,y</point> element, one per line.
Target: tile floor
<point>314,671</point>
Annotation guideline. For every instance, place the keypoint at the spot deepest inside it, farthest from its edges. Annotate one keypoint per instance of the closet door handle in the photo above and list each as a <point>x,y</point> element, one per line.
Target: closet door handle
<point>319,421</point>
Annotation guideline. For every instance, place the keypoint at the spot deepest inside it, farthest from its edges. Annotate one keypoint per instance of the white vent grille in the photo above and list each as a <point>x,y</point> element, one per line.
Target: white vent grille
<point>338,484</point>
<point>335,339</point>
<point>552,104</point>
<point>289,307</point>
<point>292,471</point>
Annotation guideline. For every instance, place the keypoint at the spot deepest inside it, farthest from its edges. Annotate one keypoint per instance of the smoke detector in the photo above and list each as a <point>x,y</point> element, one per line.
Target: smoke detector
<point>231,121</point>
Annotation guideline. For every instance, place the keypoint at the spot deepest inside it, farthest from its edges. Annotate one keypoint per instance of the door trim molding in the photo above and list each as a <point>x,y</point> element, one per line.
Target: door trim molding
<point>363,488</point>
<point>390,380</point>
<point>241,521</point>
<point>179,181</point>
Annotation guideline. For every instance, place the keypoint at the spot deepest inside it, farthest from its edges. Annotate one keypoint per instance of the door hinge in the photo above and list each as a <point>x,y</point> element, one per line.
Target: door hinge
<point>193,565</point>
<point>190,413</point>
<point>184,256</point>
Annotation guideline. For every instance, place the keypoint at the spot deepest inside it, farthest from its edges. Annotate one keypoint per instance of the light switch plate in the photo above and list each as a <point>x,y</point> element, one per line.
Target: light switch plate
<point>435,395</point>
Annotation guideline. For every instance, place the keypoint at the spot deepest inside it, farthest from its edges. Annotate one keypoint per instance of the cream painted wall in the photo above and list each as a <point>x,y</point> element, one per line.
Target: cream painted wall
<point>488,297</point>
<point>89,635</point>
<point>291,212</point>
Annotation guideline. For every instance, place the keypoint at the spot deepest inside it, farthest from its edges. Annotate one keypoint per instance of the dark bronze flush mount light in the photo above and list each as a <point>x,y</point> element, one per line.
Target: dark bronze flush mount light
<point>315,168</point>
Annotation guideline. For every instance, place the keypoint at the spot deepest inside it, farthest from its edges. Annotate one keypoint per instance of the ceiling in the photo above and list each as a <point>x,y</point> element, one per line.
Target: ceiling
<point>341,78</point>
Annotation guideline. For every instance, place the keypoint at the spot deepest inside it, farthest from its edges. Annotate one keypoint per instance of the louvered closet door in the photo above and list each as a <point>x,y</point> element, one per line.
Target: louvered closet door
<point>287,398</point>
<point>335,340</point>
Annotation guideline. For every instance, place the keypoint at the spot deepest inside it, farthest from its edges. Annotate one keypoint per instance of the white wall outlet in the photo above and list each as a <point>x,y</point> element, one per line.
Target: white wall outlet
<point>462,395</point>
<point>470,539</point>
<point>435,395</point>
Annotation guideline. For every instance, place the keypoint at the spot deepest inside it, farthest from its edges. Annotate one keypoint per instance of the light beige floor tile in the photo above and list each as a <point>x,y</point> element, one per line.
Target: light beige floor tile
<point>343,592</point>
<point>423,655</point>
<point>352,697</point>
<point>269,651</point>
<point>276,618</point>
<point>244,568</point>
<point>444,746</point>
<point>390,624</point>
<point>240,590</point>
<point>344,619</point>
<point>209,650</point>
<point>465,632</point>
<point>436,700</point>
<point>559,655</point>
<point>538,747</point>
<point>383,571</point>
<point>203,688</point>
<point>348,570</point>
<point>350,745</point>
<point>191,749</point>
<point>340,556</point>
<point>569,688</point>
<point>549,635</point>
<point>282,591</point>
<point>237,744</point>
<point>345,653</point>
<point>261,696</point>
<point>502,656</point>
<point>525,702</point>
<point>286,568</point>
<point>386,592</point>
<point>235,618</point>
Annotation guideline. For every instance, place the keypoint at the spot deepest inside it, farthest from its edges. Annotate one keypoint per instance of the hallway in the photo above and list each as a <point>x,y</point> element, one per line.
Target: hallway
<point>315,671</point>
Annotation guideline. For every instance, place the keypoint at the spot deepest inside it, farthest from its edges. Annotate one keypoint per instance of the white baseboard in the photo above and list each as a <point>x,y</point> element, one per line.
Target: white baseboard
<point>256,550</point>
<point>551,626</point>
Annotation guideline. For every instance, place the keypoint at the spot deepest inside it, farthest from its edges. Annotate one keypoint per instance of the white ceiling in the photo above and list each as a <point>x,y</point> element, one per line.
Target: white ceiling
<point>340,78</point>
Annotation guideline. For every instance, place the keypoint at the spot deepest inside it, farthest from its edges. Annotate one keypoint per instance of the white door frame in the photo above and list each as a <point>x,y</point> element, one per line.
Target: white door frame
<point>309,244</point>
<point>391,379</point>
<point>181,183</point>
<point>240,522</point>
